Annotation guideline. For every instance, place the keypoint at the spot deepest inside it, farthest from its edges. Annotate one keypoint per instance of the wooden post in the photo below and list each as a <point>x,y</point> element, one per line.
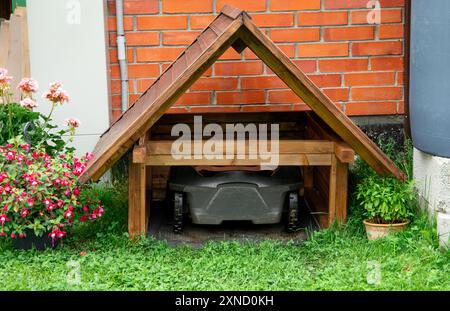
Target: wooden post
<point>136,199</point>
<point>337,205</point>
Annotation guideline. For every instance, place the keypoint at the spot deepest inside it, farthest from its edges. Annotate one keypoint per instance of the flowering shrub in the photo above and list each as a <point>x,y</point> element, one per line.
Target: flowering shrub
<point>41,193</point>
<point>39,189</point>
<point>15,116</point>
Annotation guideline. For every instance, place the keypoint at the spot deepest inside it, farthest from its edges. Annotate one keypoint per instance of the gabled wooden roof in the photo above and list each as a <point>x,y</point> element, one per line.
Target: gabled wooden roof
<point>232,27</point>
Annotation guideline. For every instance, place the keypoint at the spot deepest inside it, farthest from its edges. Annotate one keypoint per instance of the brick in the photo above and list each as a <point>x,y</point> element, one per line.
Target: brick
<point>132,98</point>
<point>240,97</point>
<point>349,33</point>
<point>127,23</point>
<point>307,66</point>
<point>158,54</point>
<point>377,48</point>
<point>295,35</point>
<point>327,80</point>
<point>287,49</point>
<point>371,108</point>
<point>392,3</point>
<point>273,19</point>
<point>387,63</point>
<point>266,108</point>
<point>143,70</point>
<point>400,78</point>
<point>300,107</point>
<point>161,22</point>
<point>116,87</point>
<point>144,84</point>
<point>137,38</point>
<point>390,31</point>
<point>343,65</point>
<point>337,95</point>
<point>376,93</point>
<point>215,109</point>
<point>291,5</point>
<point>230,54</point>
<point>345,4</point>
<point>180,6</point>
<point>387,16</point>
<point>283,97</point>
<point>372,78</point>
<point>135,7</point>
<point>116,101</point>
<point>194,98</point>
<point>179,37</point>
<point>322,18</point>
<point>262,82</point>
<point>215,84</point>
<point>401,107</point>
<point>247,5</point>
<point>238,68</point>
<point>201,21</point>
<point>322,49</point>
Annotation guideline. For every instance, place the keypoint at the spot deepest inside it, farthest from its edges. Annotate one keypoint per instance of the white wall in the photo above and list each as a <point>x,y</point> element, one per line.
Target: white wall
<point>68,44</point>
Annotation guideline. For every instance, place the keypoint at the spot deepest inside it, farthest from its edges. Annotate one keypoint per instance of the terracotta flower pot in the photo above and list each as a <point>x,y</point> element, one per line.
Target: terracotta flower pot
<point>376,231</point>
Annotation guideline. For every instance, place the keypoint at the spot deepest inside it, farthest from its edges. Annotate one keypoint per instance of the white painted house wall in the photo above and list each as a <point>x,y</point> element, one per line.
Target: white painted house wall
<point>68,44</point>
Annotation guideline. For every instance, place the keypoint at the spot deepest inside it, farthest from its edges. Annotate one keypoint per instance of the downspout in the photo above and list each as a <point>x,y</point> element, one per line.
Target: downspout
<point>122,54</point>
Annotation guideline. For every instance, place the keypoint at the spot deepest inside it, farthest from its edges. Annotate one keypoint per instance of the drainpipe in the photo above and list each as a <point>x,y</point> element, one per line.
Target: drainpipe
<point>122,54</point>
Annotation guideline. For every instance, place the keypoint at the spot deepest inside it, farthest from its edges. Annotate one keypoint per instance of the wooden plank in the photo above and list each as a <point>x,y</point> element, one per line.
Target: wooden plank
<point>284,160</point>
<point>338,191</point>
<point>344,152</point>
<point>279,63</point>
<point>285,147</point>
<point>136,199</point>
<point>146,111</point>
<point>4,46</point>
<point>341,199</point>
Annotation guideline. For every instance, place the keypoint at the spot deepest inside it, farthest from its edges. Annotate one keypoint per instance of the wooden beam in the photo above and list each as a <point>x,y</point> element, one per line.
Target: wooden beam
<point>284,160</point>
<point>137,205</point>
<point>164,147</point>
<point>337,204</point>
<point>344,152</point>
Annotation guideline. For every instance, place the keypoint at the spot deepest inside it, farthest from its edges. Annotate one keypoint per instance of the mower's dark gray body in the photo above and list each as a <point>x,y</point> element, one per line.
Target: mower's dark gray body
<point>235,195</point>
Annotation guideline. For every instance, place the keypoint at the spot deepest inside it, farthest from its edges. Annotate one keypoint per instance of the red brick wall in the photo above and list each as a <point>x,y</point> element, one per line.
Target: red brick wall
<point>359,66</point>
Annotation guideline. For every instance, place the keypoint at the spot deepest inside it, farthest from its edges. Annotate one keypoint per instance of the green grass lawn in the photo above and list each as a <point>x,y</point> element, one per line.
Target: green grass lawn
<point>334,259</point>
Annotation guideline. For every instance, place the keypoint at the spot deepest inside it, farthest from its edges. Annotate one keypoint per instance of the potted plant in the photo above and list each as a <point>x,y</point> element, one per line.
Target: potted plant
<point>40,196</point>
<point>388,205</point>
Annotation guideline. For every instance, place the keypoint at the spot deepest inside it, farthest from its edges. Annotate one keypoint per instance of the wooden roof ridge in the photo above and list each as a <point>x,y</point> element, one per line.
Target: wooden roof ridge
<point>232,27</point>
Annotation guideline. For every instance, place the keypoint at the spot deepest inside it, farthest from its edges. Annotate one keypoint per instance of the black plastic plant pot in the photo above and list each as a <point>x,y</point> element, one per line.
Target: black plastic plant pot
<point>32,241</point>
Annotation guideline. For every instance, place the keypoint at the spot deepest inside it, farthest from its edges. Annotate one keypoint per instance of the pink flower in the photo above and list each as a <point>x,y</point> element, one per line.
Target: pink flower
<point>3,219</point>
<point>13,235</point>
<point>72,122</point>
<point>56,93</point>
<point>10,155</point>
<point>4,78</point>
<point>3,176</point>
<point>28,103</point>
<point>21,235</point>
<point>28,85</point>
<point>68,214</point>
<point>24,213</point>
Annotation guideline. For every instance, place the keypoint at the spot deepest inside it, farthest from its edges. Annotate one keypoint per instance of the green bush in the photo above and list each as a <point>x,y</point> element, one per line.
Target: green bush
<point>386,200</point>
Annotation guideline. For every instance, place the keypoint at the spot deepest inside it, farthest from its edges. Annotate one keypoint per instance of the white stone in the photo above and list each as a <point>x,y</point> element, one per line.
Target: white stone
<point>443,228</point>
<point>432,176</point>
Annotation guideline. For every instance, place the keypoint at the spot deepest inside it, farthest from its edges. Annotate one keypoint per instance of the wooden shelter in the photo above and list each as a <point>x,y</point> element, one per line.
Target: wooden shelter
<point>323,143</point>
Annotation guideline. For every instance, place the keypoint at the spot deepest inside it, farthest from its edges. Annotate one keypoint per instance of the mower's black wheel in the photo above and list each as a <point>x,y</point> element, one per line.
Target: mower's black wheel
<point>178,213</point>
<point>293,212</point>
